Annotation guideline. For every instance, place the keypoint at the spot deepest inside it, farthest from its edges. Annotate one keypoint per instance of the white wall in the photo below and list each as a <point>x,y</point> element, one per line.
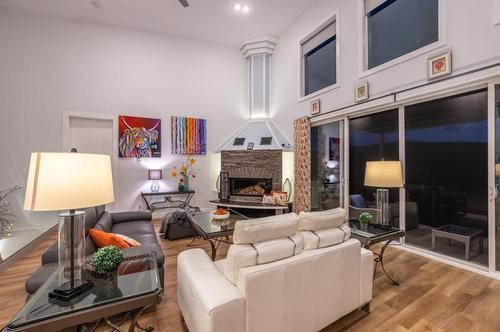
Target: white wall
<point>49,66</point>
<point>470,33</point>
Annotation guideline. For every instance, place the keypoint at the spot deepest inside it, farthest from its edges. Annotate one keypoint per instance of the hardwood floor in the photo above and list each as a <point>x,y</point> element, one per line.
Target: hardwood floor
<point>432,296</point>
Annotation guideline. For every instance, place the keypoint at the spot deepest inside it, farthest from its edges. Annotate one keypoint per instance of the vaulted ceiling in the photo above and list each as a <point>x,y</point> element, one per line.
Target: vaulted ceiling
<point>208,20</point>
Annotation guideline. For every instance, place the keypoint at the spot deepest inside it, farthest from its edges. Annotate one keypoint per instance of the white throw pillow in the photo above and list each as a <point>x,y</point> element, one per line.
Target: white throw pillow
<point>313,221</point>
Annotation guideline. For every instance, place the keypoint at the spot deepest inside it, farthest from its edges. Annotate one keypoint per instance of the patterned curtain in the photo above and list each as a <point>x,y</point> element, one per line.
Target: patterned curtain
<point>302,176</point>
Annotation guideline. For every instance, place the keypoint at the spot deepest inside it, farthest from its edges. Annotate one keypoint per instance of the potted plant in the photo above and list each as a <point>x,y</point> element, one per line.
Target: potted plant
<point>364,220</point>
<point>104,263</point>
<point>183,172</point>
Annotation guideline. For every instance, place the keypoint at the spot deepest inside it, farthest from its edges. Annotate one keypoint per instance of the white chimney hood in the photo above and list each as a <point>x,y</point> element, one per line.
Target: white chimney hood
<point>261,134</point>
<point>258,133</point>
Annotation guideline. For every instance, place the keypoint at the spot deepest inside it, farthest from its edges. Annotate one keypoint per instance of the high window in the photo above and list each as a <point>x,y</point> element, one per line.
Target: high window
<point>319,59</point>
<point>398,27</point>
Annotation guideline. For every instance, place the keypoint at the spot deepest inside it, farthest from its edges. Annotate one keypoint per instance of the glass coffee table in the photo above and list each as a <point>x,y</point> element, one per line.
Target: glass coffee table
<point>135,287</point>
<point>211,231</point>
<point>372,235</point>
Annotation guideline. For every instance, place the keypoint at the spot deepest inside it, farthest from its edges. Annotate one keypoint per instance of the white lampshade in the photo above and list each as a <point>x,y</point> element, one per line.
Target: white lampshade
<point>383,174</point>
<point>66,181</point>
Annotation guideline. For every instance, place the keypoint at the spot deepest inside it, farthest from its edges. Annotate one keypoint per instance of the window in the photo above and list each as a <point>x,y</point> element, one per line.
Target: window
<point>398,27</point>
<point>319,58</point>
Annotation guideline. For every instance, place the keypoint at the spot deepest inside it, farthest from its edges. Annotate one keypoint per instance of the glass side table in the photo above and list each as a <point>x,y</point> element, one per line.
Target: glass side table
<point>135,287</point>
<point>374,235</point>
<point>210,231</point>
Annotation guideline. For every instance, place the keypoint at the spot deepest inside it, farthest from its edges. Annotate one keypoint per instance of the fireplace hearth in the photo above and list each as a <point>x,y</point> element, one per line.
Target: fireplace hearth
<point>251,172</point>
<point>250,187</point>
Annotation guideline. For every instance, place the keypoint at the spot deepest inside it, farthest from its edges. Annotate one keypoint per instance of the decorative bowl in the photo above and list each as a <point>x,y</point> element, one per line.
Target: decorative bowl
<point>220,216</point>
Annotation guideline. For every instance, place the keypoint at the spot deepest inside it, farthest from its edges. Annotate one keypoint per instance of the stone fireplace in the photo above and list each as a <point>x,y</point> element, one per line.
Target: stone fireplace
<point>252,172</point>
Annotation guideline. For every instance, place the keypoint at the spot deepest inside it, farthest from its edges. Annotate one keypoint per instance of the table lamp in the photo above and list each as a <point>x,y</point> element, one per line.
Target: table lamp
<point>67,182</point>
<point>383,174</point>
<point>155,175</point>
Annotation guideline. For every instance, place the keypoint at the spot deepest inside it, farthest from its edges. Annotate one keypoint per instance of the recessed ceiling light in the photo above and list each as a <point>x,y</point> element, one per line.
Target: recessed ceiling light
<point>246,9</point>
<point>237,7</point>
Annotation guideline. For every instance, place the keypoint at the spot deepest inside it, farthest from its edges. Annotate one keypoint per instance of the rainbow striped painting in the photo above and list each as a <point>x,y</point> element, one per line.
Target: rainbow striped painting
<point>189,136</point>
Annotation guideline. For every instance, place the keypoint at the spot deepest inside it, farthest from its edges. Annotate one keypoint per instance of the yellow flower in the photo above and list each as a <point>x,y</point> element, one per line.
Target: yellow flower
<point>183,169</point>
<point>192,161</point>
<point>174,173</point>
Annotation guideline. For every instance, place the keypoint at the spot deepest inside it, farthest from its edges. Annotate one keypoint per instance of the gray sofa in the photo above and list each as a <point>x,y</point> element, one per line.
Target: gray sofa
<point>137,225</point>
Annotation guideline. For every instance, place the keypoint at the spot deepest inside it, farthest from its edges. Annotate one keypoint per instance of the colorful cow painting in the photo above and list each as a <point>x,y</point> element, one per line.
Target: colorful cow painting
<point>139,137</point>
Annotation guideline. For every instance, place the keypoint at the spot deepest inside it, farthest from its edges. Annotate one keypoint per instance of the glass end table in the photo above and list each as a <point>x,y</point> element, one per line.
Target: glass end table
<point>376,234</point>
<point>135,287</point>
<point>211,231</point>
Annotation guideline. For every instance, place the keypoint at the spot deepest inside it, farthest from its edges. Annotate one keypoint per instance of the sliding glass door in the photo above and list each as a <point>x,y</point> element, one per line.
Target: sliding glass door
<point>446,151</point>
<point>327,166</point>
<point>495,172</point>
<point>450,153</point>
<point>372,137</point>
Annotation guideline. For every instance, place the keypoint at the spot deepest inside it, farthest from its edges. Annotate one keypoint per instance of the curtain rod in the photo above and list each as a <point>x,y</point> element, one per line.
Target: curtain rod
<point>394,94</point>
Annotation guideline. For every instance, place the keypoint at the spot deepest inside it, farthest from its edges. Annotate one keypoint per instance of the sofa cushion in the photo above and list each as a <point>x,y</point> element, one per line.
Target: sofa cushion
<point>264,229</point>
<point>133,228</point>
<point>298,241</point>
<point>325,237</point>
<point>312,221</point>
<point>145,238</point>
<point>238,256</point>
<point>90,218</point>
<point>274,250</point>
<point>130,241</point>
<point>245,255</point>
<point>99,210</point>
<point>120,217</point>
<point>105,223</point>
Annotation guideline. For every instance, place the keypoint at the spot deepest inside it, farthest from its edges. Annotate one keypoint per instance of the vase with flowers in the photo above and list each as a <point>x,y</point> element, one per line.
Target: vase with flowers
<point>183,172</point>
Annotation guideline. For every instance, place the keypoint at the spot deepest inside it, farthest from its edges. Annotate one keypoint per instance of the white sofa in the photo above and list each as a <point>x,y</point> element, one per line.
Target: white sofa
<point>284,273</point>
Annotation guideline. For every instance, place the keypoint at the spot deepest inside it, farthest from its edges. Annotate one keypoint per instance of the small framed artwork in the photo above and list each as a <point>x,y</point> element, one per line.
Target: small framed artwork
<point>439,66</point>
<point>250,146</point>
<point>315,107</point>
<point>361,91</point>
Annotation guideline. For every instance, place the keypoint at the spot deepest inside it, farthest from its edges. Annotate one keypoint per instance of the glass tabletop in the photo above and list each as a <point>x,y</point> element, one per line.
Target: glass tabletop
<point>134,278</point>
<point>212,227</point>
<point>459,230</point>
<point>372,231</point>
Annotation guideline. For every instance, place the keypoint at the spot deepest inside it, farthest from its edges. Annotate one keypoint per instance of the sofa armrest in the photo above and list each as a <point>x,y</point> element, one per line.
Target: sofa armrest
<point>366,276</point>
<point>51,255</point>
<point>208,301</point>
<point>119,217</point>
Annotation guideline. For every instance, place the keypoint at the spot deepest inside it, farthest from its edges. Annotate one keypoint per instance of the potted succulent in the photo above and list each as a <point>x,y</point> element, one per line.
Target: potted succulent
<point>104,263</point>
<point>364,220</point>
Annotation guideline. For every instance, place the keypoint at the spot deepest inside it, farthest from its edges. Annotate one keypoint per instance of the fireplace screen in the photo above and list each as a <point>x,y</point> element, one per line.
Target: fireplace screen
<point>251,187</point>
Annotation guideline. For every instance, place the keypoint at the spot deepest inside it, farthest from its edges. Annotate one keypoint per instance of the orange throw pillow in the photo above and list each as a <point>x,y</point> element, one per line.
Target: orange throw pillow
<point>104,239</point>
